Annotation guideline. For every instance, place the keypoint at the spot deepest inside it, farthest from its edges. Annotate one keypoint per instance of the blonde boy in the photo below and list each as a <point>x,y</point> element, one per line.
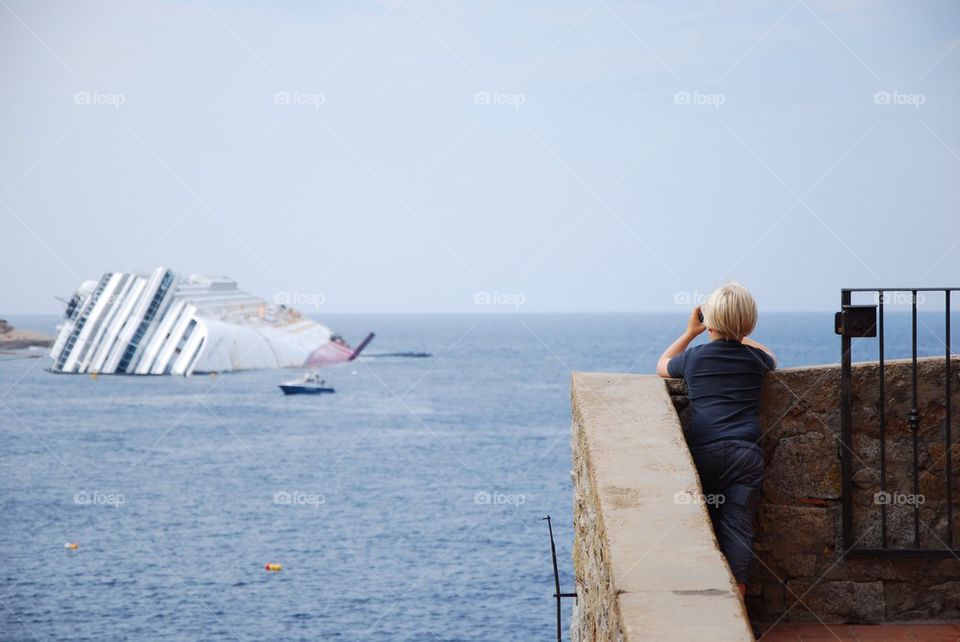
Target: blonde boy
<point>723,378</point>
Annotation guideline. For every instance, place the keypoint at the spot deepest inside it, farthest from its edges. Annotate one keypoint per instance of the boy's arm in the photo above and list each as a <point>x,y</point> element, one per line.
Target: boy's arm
<point>694,328</point>
<point>756,344</point>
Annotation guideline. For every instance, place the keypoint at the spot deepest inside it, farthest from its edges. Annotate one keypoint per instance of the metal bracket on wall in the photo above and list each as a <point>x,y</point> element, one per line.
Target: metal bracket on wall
<point>856,321</point>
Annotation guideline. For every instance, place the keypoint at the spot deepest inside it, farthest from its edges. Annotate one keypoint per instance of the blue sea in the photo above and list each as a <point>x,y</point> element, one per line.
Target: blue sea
<point>407,506</point>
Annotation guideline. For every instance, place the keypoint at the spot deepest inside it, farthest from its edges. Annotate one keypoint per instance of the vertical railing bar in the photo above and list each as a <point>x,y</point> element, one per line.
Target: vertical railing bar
<point>883,438</point>
<point>914,418</point>
<point>948,424</point>
<point>846,439</point>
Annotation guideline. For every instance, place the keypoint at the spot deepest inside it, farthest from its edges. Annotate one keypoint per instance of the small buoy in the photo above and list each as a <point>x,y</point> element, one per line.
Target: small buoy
<point>273,567</point>
<point>71,546</point>
<point>93,375</point>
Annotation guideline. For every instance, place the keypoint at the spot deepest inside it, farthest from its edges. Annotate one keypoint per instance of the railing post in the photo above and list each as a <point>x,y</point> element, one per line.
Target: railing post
<point>914,419</point>
<point>948,425</point>
<point>846,437</point>
<point>883,429</point>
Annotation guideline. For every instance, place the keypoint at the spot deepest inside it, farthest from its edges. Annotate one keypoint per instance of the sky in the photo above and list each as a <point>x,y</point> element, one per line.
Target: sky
<point>407,156</point>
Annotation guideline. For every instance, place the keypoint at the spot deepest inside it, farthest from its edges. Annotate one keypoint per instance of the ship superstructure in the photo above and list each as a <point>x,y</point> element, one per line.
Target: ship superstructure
<point>160,323</point>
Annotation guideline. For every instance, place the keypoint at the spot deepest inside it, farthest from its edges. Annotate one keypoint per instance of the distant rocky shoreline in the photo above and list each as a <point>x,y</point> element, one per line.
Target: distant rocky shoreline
<point>13,339</point>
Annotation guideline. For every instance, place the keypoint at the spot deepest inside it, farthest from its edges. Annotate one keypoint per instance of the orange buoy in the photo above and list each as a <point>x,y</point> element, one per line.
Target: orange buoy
<point>270,566</point>
<point>71,546</point>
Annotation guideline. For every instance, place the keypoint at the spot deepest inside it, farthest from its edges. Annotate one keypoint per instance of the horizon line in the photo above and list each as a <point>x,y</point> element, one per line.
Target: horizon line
<point>889,308</point>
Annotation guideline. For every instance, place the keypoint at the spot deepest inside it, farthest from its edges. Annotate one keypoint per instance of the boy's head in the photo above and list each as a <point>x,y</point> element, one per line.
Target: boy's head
<point>730,311</point>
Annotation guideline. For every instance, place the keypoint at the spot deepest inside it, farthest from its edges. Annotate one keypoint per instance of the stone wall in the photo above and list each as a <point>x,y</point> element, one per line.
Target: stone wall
<point>800,573</point>
<point>646,561</point>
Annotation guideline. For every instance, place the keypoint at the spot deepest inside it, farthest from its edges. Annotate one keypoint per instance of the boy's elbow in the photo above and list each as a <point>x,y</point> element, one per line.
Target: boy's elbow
<point>662,368</point>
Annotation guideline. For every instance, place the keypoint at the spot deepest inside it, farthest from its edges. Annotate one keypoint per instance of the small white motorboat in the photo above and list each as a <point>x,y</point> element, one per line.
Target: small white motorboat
<point>309,384</point>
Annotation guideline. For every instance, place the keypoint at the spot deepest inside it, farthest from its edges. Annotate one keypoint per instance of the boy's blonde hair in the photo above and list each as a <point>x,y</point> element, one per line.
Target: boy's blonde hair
<point>731,311</point>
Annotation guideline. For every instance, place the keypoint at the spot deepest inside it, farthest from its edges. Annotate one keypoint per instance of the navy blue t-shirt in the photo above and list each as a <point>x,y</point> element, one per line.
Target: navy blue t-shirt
<point>723,383</point>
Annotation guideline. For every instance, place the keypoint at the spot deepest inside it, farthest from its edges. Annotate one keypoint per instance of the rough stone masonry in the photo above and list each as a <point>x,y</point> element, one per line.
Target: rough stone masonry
<point>800,573</point>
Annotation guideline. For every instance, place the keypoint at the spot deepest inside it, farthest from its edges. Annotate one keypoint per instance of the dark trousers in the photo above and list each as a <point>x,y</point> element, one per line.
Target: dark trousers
<point>731,473</point>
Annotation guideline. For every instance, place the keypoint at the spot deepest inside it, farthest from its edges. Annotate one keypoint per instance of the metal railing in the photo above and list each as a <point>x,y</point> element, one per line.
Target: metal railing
<point>861,321</point>
<point>556,580</point>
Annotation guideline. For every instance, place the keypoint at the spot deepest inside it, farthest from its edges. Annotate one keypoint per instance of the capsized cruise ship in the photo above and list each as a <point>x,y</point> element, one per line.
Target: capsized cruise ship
<point>164,324</point>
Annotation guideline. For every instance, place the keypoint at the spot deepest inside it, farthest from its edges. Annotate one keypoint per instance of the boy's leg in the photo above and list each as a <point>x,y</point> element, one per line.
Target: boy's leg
<point>740,498</point>
<point>710,467</point>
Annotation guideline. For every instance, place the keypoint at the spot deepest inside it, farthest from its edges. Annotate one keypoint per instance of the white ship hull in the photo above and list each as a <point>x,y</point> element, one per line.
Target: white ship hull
<point>162,324</point>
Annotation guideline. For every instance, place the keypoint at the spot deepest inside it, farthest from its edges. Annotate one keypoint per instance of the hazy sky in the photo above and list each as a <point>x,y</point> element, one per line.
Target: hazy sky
<point>406,156</point>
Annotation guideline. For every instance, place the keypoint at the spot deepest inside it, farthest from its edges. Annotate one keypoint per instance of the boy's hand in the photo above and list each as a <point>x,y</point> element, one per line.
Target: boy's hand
<point>694,324</point>
<point>694,327</point>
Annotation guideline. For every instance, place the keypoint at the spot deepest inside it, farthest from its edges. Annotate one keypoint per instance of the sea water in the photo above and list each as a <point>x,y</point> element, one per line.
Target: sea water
<point>406,506</point>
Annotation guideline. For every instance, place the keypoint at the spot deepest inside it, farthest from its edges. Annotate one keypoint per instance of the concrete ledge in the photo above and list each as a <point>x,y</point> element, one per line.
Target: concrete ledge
<point>646,561</point>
